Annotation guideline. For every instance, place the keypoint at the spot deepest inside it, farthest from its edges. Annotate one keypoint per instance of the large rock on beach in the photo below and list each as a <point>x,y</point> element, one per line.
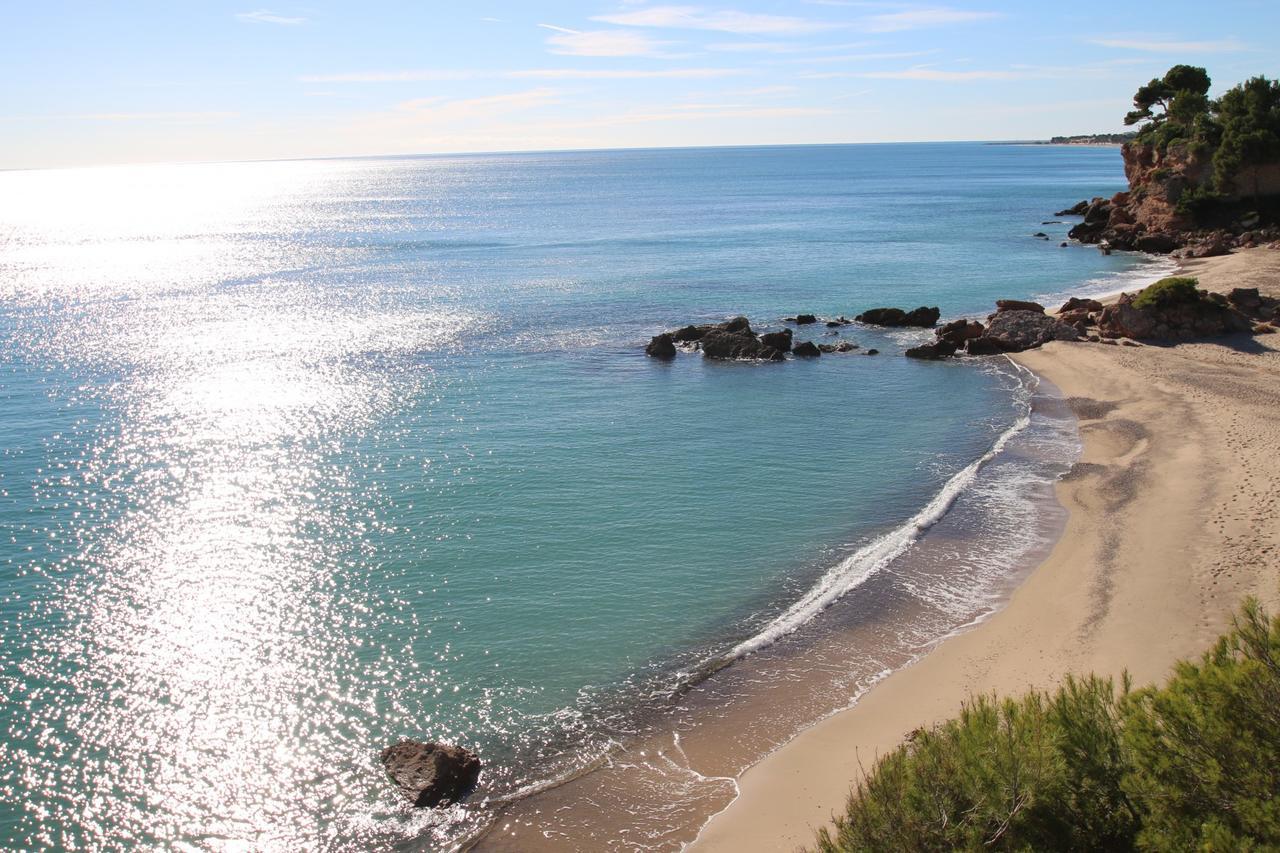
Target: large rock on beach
<point>1014,331</point>
<point>1018,305</point>
<point>1077,304</point>
<point>1182,317</point>
<point>661,346</point>
<point>431,773</point>
<point>922,316</point>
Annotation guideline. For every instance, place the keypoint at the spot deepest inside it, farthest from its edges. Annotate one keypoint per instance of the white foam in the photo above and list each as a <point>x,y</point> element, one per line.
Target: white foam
<point>855,569</point>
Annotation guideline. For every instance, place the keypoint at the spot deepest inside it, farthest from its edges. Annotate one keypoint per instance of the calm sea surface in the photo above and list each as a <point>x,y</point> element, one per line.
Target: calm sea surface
<point>299,458</point>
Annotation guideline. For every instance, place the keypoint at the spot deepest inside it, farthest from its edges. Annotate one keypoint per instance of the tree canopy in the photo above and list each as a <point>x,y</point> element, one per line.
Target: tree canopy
<point>1236,131</point>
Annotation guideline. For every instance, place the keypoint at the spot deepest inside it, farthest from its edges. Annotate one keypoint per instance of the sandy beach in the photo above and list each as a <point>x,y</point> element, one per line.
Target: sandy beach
<point>1174,517</point>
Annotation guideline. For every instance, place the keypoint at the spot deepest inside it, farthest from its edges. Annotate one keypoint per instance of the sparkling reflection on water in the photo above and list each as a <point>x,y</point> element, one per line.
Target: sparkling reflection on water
<point>204,678</point>
<point>300,458</point>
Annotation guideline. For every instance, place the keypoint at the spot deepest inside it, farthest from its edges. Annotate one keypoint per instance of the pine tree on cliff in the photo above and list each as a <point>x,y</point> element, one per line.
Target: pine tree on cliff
<point>1249,116</point>
<point>1182,95</point>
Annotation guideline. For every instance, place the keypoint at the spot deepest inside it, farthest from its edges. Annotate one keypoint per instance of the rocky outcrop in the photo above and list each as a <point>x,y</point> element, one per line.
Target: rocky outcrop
<point>1018,305</point>
<point>661,346</point>
<point>932,352</point>
<point>1181,319</point>
<point>1018,330</point>
<point>806,349</point>
<point>740,345</point>
<point>1076,304</point>
<point>1151,215</point>
<point>958,332</point>
<point>431,773</point>
<point>802,319</point>
<point>781,341</point>
<point>922,316</point>
<point>843,346</point>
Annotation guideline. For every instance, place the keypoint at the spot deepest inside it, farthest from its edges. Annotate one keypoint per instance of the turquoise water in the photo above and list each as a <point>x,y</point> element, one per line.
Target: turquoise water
<point>301,458</point>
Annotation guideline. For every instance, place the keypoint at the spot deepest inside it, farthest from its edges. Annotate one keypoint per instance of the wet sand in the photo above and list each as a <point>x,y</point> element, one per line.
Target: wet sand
<point>1174,517</point>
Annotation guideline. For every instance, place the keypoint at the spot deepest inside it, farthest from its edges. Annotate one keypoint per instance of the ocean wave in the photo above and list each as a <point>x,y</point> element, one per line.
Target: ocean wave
<point>871,558</point>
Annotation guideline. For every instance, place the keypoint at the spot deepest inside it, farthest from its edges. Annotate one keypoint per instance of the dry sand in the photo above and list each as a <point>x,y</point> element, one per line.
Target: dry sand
<point>1174,517</point>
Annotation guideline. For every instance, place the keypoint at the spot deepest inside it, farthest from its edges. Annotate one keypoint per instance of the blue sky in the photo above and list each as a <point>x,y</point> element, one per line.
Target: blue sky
<point>90,83</point>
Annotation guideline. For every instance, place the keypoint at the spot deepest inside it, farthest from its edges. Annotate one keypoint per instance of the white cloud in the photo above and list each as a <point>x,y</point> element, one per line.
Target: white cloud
<point>914,19</point>
<point>568,42</point>
<point>728,21</point>
<point>438,109</point>
<point>931,74</point>
<point>1157,46</point>
<point>438,75</point>
<point>263,16</point>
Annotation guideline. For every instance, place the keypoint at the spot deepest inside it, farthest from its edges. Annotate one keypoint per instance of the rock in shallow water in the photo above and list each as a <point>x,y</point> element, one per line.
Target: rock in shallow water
<point>922,316</point>
<point>661,346</point>
<point>431,773</point>
<point>806,349</point>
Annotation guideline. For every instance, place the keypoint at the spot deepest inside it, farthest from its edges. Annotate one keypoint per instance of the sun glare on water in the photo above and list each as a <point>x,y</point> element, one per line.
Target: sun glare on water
<point>200,671</point>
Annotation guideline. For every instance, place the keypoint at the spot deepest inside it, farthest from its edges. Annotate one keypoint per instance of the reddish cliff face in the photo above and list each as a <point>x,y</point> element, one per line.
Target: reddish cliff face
<point>1146,216</point>
<point>1157,181</point>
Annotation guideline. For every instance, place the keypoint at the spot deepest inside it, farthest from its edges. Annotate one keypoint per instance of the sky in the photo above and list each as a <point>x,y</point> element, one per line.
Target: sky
<point>91,83</point>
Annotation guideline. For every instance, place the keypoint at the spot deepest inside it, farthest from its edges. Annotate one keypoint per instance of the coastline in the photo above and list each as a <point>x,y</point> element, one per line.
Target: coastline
<point>1172,521</point>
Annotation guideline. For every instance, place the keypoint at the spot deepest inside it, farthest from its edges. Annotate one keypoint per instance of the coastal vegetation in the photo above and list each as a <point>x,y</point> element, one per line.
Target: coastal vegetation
<point>1237,131</point>
<point>1193,764</point>
<point>1168,291</point>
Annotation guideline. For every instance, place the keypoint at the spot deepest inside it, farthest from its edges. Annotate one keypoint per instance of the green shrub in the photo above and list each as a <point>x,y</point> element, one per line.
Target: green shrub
<point>1205,749</point>
<point>1194,765</point>
<point>1169,291</point>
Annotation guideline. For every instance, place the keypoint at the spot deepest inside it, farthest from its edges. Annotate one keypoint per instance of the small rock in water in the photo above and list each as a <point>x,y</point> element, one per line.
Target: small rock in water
<point>431,773</point>
<point>661,346</point>
<point>806,349</point>
<point>804,319</point>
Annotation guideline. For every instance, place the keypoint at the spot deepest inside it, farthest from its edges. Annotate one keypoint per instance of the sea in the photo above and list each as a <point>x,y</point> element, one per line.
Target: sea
<point>298,459</point>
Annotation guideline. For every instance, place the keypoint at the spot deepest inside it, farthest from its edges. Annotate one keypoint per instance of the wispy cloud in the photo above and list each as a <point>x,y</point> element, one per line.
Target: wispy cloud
<point>438,75</point>
<point>173,117</point>
<point>780,47</point>
<point>856,57</point>
<point>264,16</point>
<point>567,42</point>
<point>930,74</point>
<point>915,19</point>
<point>727,21</point>
<point>458,108</point>
<point>1170,46</point>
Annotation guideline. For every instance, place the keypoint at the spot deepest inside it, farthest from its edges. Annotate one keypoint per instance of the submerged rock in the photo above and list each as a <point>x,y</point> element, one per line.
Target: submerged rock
<point>431,773</point>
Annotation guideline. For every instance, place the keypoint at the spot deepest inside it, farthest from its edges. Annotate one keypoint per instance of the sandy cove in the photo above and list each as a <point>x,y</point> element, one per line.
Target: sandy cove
<point>1174,518</point>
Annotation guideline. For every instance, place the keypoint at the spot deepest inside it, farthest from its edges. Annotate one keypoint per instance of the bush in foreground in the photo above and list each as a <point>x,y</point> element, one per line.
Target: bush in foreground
<point>1193,765</point>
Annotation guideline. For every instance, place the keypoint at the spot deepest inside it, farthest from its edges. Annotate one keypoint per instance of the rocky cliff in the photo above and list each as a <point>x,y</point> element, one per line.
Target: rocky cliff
<point>1169,206</point>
